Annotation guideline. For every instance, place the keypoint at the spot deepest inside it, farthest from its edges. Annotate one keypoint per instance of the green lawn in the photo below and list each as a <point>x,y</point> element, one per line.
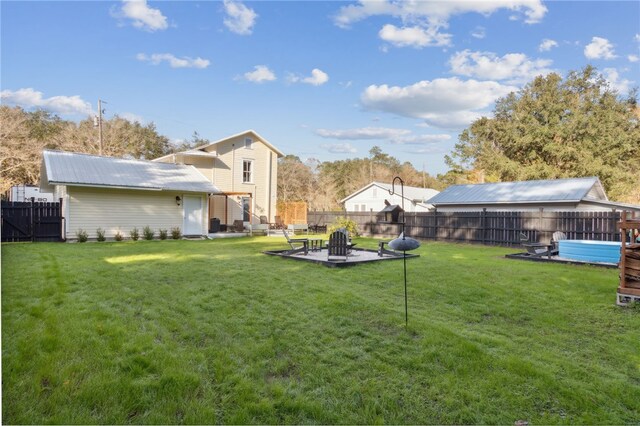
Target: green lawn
<point>216,332</point>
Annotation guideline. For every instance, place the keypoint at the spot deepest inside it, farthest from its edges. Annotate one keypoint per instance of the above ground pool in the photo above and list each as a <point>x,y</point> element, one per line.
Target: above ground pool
<point>590,251</point>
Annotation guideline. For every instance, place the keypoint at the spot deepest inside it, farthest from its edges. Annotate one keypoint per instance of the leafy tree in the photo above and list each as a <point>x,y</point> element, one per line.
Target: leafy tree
<point>24,135</point>
<point>555,128</point>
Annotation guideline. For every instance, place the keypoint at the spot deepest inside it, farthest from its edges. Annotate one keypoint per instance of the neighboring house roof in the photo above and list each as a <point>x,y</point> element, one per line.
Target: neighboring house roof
<point>532,191</point>
<point>201,150</point>
<point>411,193</point>
<point>67,168</point>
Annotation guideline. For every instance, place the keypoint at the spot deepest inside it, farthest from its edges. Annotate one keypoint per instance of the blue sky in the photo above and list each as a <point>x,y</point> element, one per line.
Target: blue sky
<point>324,80</point>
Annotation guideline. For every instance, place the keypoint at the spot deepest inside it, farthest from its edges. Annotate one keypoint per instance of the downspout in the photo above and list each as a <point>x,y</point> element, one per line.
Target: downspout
<point>269,185</point>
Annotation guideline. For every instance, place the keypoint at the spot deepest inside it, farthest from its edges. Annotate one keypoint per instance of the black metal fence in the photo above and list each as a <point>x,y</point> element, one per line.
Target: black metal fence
<point>31,221</point>
<point>484,227</point>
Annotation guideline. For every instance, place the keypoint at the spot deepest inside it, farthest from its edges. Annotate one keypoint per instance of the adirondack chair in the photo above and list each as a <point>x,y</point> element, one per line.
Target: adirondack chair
<point>339,246</point>
<point>555,241</point>
<point>298,245</point>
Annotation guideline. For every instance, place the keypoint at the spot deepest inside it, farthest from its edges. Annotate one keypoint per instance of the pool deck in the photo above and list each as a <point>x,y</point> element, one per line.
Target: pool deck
<point>558,259</point>
<point>357,256</point>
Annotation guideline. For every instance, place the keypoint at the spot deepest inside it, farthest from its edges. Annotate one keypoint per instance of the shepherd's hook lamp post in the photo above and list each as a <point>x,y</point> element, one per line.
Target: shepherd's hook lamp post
<point>404,244</point>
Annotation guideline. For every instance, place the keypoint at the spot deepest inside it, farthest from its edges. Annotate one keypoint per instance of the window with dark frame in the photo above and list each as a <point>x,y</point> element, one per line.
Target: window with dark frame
<point>247,171</point>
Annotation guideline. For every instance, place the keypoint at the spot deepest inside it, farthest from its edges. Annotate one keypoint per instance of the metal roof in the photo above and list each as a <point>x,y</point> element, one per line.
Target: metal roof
<point>411,193</point>
<point>532,191</point>
<point>67,168</point>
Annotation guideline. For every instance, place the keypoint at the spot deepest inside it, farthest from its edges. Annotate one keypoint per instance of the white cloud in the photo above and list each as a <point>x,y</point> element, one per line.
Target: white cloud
<point>173,61</point>
<point>131,117</point>
<point>240,19</point>
<point>421,139</point>
<point>514,67</point>
<point>317,78</point>
<point>30,98</point>
<point>443,102</point>
<point>637,37</point>
<point>395,136</point>
<point>547,44</point>
<point>599,48</point>
<point>633,58</point>
<point>423,20</point>
<point>436,11</point>
<point>143,16</point>
<point>339,148</point>
<point>414,36</point>
<point>363,133</point>
<point>621,85</point>
<point>479,32</point>
<point>260,74</point>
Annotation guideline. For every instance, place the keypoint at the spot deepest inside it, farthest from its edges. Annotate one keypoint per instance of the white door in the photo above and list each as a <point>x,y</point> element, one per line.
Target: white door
<point>192,215</point>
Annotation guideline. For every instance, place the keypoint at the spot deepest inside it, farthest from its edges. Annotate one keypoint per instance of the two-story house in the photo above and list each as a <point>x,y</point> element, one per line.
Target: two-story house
<point>232,179</point>
<point>244,167</point>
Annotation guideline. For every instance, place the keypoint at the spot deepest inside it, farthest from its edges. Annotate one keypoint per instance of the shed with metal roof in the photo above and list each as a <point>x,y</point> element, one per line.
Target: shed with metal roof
<point>573,194</point>
<point>118,194</point>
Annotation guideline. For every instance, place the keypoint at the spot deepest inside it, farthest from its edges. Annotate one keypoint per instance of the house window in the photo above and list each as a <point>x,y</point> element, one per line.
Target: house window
<point>247,171</point>
<point>247,143</point>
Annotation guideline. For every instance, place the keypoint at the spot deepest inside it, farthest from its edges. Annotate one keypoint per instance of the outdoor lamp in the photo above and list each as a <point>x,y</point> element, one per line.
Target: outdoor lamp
<point>178,200</point>
<point>403,244</point>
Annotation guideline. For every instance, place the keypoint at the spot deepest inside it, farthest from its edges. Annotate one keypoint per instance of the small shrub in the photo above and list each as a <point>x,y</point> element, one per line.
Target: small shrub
<point>100,234</point>
<point>82,235</point>
<point>118,236</point>
<point>176,234</point>
<point>162,234</point>
<point>148,233</point>
<point>135,234</point>
<point>344,222</point>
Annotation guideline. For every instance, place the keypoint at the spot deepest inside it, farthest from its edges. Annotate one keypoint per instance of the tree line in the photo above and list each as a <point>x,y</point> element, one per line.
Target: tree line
<point>553,127</point>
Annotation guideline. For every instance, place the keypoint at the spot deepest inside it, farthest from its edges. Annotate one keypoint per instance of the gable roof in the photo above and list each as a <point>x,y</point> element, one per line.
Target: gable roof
<point>411,193</point>
<point>532,191</point>
<point>201,150</point>
<point>67,168</point>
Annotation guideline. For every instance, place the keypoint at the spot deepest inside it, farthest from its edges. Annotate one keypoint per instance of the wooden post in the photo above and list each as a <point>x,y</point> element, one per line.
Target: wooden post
<point>435,223</point>
<point>32,213</point>
<point>484,225</point>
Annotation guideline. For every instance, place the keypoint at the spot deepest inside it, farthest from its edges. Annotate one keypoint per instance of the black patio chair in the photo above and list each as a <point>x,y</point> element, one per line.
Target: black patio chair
<point>339,245</point>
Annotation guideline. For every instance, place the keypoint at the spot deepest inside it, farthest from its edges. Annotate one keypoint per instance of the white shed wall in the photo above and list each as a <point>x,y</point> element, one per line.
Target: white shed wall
<point>120,210</point>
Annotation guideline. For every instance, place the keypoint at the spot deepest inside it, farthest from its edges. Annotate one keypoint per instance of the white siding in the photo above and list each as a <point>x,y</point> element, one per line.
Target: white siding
<point>567,207</point>
<point>116,210</point>
<point>373,198</point>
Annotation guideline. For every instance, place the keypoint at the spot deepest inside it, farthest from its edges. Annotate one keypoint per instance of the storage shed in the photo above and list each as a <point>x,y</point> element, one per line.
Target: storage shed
<point>574,194</point>
<point>118,194</point>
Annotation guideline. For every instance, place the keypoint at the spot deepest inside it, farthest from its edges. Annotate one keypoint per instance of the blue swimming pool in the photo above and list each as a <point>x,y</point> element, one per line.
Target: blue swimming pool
<point>590,251</point>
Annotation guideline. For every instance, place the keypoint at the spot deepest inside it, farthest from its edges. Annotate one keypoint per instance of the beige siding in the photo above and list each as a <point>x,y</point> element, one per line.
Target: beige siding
<point>225,172</point>
<point>116,210</point>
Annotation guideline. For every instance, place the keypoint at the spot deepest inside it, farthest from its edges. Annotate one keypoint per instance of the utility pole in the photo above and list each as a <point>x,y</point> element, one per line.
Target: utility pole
<point>100,111</point>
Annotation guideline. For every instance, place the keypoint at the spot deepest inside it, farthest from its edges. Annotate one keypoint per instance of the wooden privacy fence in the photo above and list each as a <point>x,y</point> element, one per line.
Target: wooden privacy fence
<point>293,212</point>
<point>484,227</point>
<point>31,221</point>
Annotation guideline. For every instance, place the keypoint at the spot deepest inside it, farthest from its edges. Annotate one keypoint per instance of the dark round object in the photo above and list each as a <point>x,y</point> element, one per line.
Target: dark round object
<point>403,243</point>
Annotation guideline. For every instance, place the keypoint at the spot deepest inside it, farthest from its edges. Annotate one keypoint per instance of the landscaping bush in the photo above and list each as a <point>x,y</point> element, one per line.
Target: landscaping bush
<point>135,234</point>
<point>344,222</point>
<point>162,234</point>
<point>82,235</point>
<point>100,233</point>
<point>118,236</point>
<point>176,234</point>
<point>148,233</point>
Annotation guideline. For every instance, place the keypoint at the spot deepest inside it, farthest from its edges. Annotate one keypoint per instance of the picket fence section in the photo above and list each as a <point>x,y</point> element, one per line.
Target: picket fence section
<point>483,227</point>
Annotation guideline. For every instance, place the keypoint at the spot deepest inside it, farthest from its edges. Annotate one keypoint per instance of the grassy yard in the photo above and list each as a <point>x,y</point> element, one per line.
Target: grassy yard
<point>216,332</point>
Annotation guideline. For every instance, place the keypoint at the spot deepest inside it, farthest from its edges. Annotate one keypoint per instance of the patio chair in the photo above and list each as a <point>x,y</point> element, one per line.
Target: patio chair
<point>555,241</point>
<point>298,245</point>
<point>338,246</point>
<point>279,224</point>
